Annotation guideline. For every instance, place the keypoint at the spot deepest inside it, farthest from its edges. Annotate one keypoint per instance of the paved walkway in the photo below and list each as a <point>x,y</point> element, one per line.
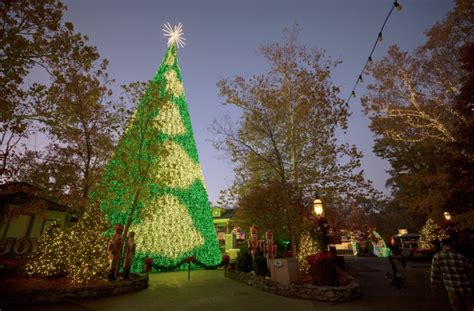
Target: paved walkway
<point>209,290</point>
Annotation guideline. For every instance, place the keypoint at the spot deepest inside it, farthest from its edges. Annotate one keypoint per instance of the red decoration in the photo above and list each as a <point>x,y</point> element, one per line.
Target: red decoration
<point>323,269</point>
<point>189,260</point>
<point>320,258</point>
<point>148,263</point>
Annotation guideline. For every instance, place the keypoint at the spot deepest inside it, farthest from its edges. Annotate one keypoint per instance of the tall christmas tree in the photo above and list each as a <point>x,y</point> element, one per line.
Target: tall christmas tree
<point>154,182</point>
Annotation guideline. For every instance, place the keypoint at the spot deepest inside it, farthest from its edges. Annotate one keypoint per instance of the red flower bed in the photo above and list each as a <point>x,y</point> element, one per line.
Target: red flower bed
<point>320,258</point>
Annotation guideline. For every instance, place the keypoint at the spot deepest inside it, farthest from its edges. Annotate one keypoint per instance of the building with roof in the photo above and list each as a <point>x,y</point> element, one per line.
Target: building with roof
<point>27,212</point>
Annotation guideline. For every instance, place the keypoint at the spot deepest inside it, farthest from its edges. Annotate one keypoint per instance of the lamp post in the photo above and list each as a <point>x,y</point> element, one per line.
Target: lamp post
<point>447,216</point>
<point>449,224</point>
<point>321,222</point>
<point>318,207</point>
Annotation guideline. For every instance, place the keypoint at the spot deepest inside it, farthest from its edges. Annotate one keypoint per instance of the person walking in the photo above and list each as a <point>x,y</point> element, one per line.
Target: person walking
<point>398,276</point>
<point>456,273</point>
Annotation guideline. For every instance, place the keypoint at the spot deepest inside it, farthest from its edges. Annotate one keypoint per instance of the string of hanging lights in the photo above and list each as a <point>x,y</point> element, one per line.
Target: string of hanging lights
<point>379,39</point>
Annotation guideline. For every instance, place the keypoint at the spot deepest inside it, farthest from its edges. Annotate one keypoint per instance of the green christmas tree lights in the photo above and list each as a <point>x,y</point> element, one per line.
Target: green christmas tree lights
<point>154,182</point>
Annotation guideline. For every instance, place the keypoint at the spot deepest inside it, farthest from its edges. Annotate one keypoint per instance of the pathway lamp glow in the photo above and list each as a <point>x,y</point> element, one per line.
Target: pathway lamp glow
<point>447,216</point>
<point>318,207</point>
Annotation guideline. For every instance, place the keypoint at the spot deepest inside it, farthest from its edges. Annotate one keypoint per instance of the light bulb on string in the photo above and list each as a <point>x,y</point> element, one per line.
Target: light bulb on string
<point>380,38</point>
<point>353,94</point>
<point>360,79</point>
<point>397,5</point>
<point>370,60</point>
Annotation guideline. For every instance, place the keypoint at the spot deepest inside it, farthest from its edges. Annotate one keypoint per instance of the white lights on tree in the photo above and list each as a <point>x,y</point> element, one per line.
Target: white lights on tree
<point>175,34</point>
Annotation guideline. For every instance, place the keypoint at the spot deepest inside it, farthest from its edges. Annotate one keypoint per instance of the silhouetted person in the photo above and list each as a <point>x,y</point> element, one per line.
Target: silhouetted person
<point>398,276</point>
<point>456,273</point>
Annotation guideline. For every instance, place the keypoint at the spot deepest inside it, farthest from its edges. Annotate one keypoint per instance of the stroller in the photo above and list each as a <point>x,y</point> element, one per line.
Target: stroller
<point>397,277</point>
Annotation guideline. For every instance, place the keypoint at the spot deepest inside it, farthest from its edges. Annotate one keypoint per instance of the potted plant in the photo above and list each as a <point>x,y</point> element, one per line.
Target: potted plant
<point>322,269</point>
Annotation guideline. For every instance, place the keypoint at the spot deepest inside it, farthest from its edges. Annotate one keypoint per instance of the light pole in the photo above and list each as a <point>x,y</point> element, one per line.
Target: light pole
<point>318,207</point>
<point>447,216</point>
<point>321,222</point>
<point>449,224</point>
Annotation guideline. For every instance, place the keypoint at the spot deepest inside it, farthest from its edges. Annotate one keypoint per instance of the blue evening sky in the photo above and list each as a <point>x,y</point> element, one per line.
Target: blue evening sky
<point>222,38</point>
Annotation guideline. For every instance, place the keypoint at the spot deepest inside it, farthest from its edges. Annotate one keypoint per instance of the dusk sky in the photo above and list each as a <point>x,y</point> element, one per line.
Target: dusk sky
<point>222,38</point>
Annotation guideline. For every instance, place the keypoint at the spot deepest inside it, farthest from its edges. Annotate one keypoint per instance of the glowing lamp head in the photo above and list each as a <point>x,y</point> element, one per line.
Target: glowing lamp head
<point>447,216</point>
<point>318,207</point>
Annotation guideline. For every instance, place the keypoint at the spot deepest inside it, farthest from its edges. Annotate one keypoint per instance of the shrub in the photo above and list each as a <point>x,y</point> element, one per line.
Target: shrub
<point>244,260</point>
<point>260,264</point>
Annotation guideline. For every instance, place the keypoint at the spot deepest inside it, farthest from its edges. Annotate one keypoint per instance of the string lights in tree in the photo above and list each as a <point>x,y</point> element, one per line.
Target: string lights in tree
<point>308,246</point>
<point>154,180</point>
<point>378,40</point>
<point>79,253</point>
<point>430,231</point>
<point>50,259</point>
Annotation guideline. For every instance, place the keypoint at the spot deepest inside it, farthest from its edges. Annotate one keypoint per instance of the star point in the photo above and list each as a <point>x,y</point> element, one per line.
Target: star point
<point>174,34</point>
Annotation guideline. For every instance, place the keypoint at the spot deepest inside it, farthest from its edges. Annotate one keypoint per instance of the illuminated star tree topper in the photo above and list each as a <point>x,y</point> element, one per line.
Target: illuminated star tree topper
<point>175,34</point>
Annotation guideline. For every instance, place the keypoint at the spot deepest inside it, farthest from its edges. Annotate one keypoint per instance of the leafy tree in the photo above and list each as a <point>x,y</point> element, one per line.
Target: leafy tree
<point>32,35</point>
<point>73,110</point>
<point>287,131</point>
<point>412,107</point>
<point>357,218</point>
<point>393,217</point>
<point>459,157</point>
<point>413,97</point>
<point>227,198</point>
<point>82,125</point>
<point>264,205</point>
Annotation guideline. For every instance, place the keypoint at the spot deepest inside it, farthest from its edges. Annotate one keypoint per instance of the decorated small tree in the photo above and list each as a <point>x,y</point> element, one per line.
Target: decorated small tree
<point>308,246</point>
<point>430,231</point>
<point>87,258</point>
<point>51,258</point>
<point>78,253</point>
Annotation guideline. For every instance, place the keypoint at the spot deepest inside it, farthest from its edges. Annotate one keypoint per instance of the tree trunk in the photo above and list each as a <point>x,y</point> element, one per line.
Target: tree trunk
<point>127,226</point>
<point>292,233</point>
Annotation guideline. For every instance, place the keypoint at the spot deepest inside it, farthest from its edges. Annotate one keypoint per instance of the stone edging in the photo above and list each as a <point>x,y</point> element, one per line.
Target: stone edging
<point>32,296</point>
<point>347,292</point>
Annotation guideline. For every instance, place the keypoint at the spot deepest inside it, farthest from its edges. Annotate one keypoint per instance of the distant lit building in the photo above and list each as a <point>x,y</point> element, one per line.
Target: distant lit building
<point>26,212</point>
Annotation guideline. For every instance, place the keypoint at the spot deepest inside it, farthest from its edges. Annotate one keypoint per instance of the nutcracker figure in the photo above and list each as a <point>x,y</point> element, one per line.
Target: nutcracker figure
<point>113,250</point>
<point>129,254</point>
<point>253,242</point>
<point>270,248</point>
